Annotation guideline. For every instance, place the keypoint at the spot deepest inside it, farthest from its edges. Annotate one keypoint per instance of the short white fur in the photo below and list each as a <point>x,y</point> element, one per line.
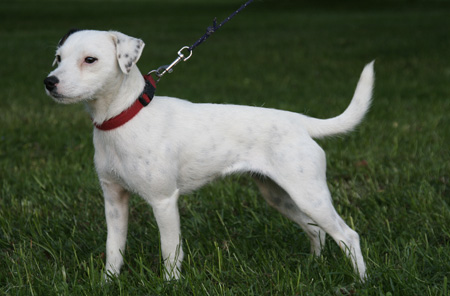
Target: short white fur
<point>174,146</point>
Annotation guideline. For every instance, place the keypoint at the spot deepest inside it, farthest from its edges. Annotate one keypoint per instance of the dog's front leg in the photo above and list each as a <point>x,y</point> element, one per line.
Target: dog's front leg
<point>116,211</point>
<point>168,219</point>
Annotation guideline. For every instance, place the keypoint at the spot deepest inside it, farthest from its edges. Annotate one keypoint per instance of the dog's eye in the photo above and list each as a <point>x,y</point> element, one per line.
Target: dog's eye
<point>90,60</point>
<point>57,60</point>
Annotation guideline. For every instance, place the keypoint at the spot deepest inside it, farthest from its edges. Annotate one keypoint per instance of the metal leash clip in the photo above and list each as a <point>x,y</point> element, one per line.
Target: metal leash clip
<point>182,57</point>
<point>168,68</point>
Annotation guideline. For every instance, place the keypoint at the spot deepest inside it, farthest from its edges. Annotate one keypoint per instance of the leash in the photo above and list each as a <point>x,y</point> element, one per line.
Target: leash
<point>185,52</point>
<point>150,83</point>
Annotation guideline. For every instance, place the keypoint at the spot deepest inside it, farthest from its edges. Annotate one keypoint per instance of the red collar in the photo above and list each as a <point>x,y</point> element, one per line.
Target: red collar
<point>126,115</point>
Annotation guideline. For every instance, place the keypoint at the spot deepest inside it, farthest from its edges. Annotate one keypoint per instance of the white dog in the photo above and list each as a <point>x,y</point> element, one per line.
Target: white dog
<point>172,146</point>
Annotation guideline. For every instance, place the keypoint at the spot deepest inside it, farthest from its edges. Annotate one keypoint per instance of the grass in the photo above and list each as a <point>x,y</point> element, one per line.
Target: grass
<point>389,179</point>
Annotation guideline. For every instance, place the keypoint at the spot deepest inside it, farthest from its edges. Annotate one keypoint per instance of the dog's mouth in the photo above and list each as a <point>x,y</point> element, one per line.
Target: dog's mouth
<point>52,91</point>
<point>57,97</point>
<point>66,93</point>
<point>54,95</point>
<point>64,99</point>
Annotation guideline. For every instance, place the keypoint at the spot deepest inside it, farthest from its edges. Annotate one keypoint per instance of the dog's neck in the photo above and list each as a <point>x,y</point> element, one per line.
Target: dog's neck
<point>117,96</point>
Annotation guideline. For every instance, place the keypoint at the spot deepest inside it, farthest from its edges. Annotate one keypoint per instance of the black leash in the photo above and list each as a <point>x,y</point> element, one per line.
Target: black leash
<point>210,30</point>
<point>188,49</point>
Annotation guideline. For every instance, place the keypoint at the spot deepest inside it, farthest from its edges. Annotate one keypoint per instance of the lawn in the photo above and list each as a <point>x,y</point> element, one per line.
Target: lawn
<point>389,179</point>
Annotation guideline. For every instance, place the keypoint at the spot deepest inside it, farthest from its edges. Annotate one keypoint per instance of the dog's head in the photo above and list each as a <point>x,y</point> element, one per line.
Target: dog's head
<point>89,63</point>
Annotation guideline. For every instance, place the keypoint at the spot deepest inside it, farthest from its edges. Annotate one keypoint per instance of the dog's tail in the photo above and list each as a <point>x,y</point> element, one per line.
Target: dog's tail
<point>352,116</point>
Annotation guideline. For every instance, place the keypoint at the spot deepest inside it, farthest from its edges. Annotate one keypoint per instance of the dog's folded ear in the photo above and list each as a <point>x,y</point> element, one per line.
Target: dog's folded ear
<point>128,50</point>
<point>64,38</point>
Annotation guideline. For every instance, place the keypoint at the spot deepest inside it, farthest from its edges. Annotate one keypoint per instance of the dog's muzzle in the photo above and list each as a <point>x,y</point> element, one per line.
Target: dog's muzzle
<point>51,82</point>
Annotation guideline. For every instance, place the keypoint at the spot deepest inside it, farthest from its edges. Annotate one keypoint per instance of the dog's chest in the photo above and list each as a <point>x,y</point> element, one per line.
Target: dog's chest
<point>123,159</point>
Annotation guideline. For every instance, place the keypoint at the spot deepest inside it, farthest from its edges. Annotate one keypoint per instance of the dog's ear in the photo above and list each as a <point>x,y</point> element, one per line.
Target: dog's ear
<point>64,38</point>
<point>128,50</point>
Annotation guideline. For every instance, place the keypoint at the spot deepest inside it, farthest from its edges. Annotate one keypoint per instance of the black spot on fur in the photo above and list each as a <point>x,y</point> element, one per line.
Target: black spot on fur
<point>64,38</point>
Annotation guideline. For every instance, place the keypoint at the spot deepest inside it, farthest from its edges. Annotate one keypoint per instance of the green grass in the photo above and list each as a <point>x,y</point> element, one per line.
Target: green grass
<point>389,179</point>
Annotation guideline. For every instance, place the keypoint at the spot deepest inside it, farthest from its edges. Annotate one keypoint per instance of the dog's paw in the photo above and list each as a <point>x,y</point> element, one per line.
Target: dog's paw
<point>173,274</point>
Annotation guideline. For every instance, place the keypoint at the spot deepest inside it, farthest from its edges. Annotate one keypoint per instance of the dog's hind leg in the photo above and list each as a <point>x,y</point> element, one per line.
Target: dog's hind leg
<point>116,211</point>
<point>310,193</point>
<point>168,219</point>
<point>321,210</point>
<point>280,200</point>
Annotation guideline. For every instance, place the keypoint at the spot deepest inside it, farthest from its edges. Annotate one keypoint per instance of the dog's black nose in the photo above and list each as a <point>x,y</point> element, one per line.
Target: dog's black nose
<point>50,82</point>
